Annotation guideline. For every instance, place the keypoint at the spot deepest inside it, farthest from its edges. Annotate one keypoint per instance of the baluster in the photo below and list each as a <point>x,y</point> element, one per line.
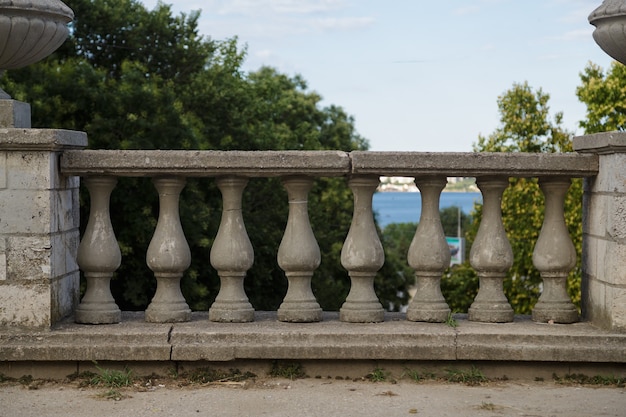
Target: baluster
<point>429,255</point>
<point>554,256</point>
<point>299,255</point>
<point>232,255</point>
<point>168,256</point>
<point>491,256</point>
<point>99,257</point>
<point>362,255</point>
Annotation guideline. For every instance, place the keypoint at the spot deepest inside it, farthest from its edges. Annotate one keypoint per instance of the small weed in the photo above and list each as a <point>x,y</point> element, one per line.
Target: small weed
<point>289,370</point>
<point>451,321</point>
<point>206,375</point>
<point>112,394</point>
<point>112,378</point>
<point>4,378</point>
<point>416,376</point>
<point>25,379</point>
<point>172,372</point>
<point>470,377</point>
<point>377,375</point>
<point>539,379</point>
<point>487,406</point>
<point>590,380</point>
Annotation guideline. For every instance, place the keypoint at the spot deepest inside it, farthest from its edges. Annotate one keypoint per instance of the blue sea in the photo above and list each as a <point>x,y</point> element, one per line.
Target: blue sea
<point>398,207</point>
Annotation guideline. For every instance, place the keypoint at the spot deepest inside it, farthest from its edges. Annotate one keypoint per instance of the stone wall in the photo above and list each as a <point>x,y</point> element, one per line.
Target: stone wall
<point>604,231</point>
<point>39,221</point>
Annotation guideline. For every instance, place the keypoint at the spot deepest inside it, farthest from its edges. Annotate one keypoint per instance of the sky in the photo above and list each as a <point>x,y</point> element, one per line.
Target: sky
<point>416,75</point>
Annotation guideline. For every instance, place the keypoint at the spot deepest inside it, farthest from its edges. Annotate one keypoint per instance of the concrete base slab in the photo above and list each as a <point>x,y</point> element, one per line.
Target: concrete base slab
<point>394,341</point>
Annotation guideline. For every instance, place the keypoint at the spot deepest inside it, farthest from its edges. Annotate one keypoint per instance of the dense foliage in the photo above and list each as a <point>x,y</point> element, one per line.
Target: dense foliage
<point>139,79</point>
<point>604,94</point>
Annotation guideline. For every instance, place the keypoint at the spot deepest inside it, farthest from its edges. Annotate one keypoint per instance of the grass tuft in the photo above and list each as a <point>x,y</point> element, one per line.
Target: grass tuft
<point>111,378</point>
<point>289,370</point>
<point>451,321</point>
<point>416,375</point>
<point>471,377</point>
<point>207,375</point>
<point>590,380</point>
<point>378,375</point>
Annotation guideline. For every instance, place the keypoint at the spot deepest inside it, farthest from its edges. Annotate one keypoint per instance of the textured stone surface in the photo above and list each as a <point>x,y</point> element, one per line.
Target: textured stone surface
<point>616,219</point>
<point>266,338</point>
<point>39,220</point>
<point>206,163</point>
<point>25,305</point>
<point>14,113</point>
<point>473,164</point>
<point>41,139</point>
<point>604,246</point>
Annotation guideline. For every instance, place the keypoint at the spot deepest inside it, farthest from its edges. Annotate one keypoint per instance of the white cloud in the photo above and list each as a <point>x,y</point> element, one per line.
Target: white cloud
<point>462,11</point>
<point>343,23</point>
<point>255,7</point>
<point>576,35</point>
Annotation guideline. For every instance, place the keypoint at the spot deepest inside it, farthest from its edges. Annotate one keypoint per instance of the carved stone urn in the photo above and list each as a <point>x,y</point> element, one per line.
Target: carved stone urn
<point>30,30</point>
<point>610,22</point>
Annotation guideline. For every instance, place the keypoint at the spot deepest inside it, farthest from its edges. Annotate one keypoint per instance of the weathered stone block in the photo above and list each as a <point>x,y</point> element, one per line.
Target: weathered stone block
<point>32,170</point>
<point>64,211</point>
<point>594,301</point>
<point>595,215</point>
<point>612,176</point>
<point>28,258</point>
<point>618,309</point>
<point>25,211</point>
<point>15,114</point>
<point>589,248</point>
<point>3,170</point>
<point>63,254</point>
<point>599,257</point>
<point>616,219</point>
<point>25,305</point>
<point>64,296</point>
<point>3,259</point>
<point>614,270</point>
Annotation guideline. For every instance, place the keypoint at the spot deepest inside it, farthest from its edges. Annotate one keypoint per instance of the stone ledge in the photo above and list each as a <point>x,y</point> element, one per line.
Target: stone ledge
<point>144,163</point>
<point>395,339</point>
<point>601,143</point>
<point>474,164</point>
<point>14,139</point>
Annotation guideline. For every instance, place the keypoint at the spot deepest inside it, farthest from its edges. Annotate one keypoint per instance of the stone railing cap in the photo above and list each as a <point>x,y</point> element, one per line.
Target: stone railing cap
<point>601,143</point>
<point>142,163</point>
<point>473,164</point>
<point>16,139</point>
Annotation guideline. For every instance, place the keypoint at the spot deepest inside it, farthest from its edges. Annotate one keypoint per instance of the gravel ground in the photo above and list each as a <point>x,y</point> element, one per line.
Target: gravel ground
<point>311,397</point>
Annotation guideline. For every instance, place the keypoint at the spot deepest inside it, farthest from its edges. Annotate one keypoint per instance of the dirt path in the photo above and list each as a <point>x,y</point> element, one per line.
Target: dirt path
<point>313,397</point>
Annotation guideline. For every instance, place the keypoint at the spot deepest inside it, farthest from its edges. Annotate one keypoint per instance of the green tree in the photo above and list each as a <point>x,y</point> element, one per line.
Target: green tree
<point>526,126</point>
<point>604,94</point>
<point>134,78</point>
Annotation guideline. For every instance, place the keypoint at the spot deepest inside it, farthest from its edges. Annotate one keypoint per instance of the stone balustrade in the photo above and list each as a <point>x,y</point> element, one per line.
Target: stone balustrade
<point>362,255</point>
<point>98,255</point>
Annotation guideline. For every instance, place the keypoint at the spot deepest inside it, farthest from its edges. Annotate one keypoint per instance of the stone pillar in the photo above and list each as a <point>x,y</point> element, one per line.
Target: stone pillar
<point>429,255</point>
<point>554,256</point>
<point>299,255</point>
<point>491,256</point>
<point>232,255</point>
<point>168,256</point>
<point>39,219</point>
<point>604,232</point>
<point>362,255</point>
<point>99,257</point>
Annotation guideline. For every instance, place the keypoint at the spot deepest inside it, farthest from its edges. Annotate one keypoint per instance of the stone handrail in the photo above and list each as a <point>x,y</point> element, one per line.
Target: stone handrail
<point>298,255</point>
<point>146,163</point>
